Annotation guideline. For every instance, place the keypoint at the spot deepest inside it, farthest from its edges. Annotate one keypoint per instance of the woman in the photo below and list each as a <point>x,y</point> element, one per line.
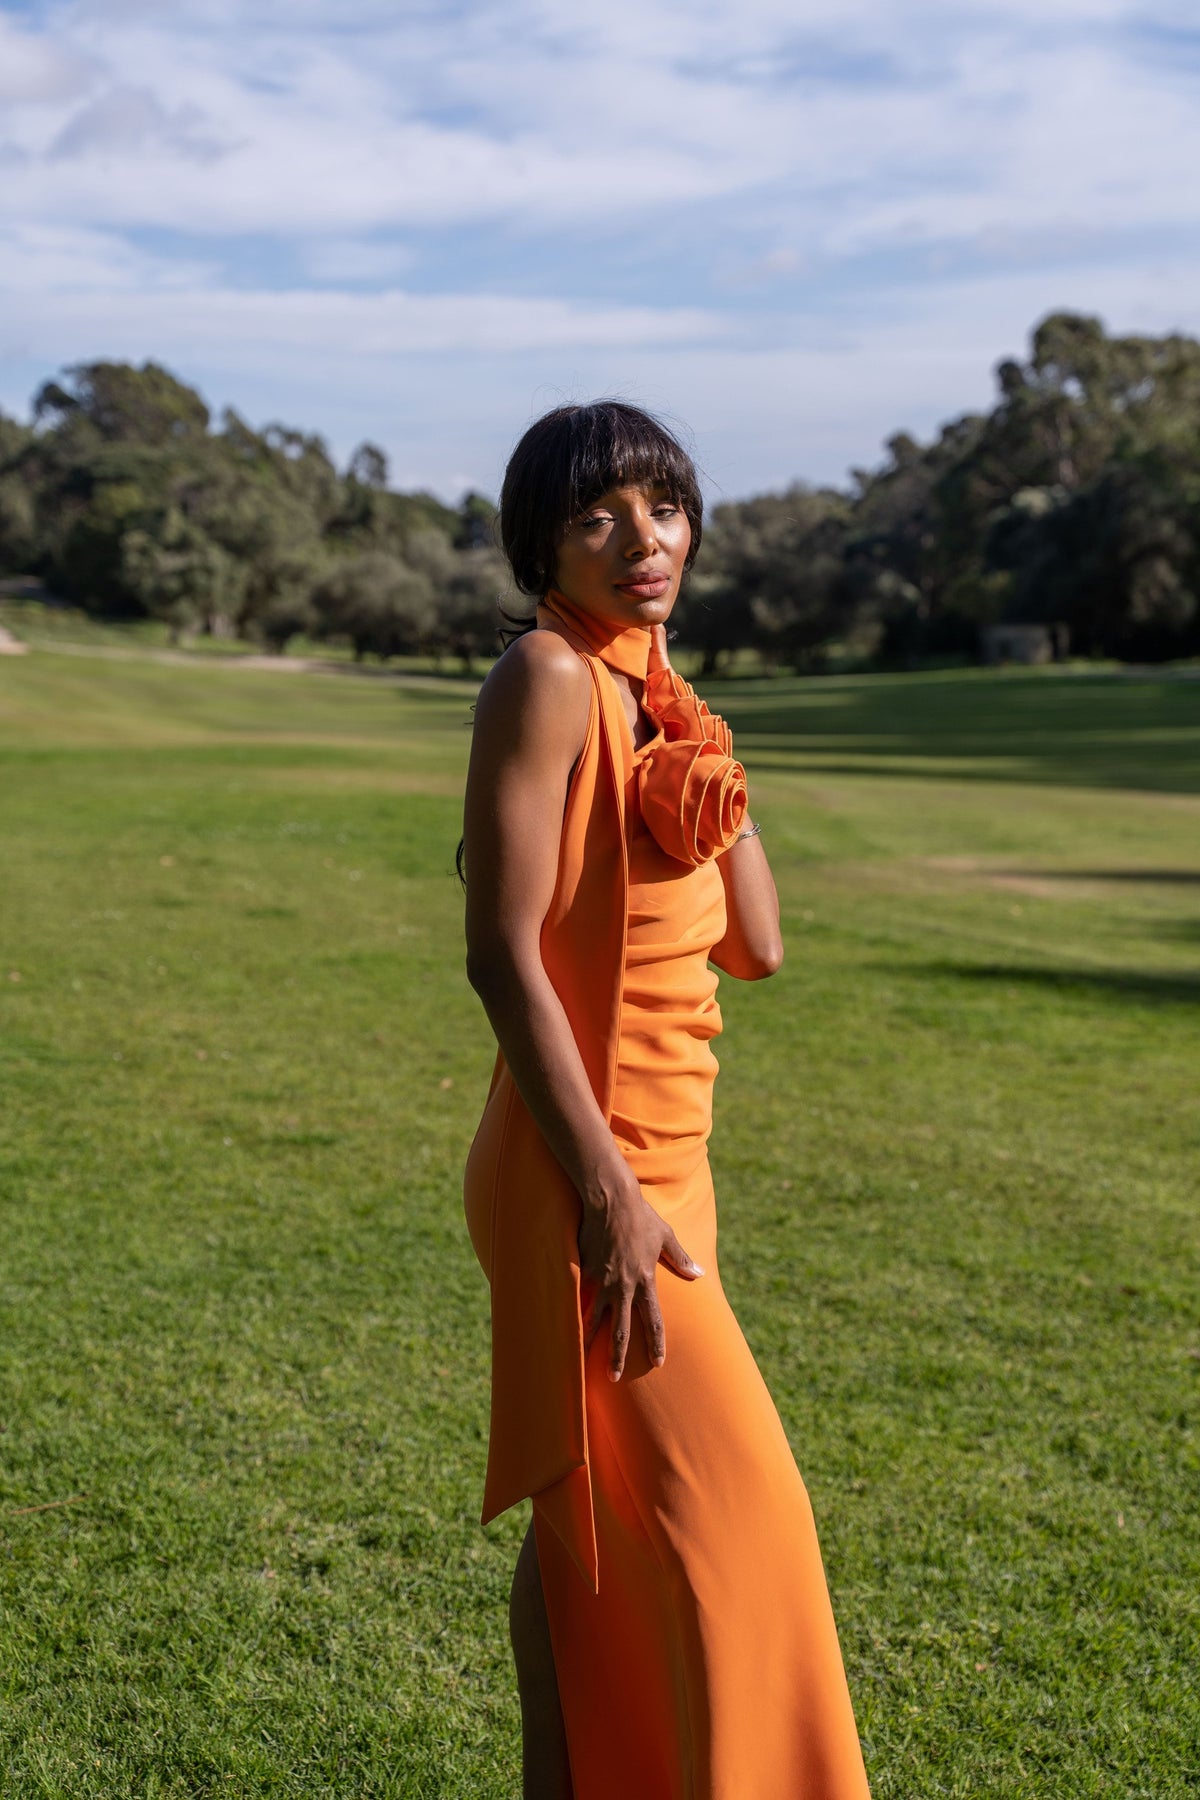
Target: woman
<point>670,1621</point>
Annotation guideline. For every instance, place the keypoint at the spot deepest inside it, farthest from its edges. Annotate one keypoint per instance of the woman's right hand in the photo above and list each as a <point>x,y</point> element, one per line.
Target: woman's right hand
<point>622,1240</point>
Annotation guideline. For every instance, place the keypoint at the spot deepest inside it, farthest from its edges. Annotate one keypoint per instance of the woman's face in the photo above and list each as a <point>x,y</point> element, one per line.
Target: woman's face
<point>622,560</point>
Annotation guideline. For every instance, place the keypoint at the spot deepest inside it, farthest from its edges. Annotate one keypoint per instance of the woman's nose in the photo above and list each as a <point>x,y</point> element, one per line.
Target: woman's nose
<point>641,539</point>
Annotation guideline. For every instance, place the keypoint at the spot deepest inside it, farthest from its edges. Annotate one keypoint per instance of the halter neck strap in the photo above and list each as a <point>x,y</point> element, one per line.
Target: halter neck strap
<point>625,648</point>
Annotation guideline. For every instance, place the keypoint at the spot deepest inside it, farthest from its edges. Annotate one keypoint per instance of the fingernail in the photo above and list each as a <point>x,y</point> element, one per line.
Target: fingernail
<point>614,1374</point>
<point>659,1361</point>
<point>698,1269</point>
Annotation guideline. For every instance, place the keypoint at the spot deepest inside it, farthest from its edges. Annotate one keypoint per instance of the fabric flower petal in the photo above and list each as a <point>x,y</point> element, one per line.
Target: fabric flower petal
<point>682,713</point>
<point>692,792</point>
<point>693,799</point>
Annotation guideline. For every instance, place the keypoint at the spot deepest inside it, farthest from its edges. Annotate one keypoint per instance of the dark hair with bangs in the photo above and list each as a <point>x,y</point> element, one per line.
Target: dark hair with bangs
<point>563,464</point>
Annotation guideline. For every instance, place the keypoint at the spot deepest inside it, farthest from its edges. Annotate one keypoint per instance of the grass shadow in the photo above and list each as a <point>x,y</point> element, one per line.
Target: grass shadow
<point>1135,876</point>
<point>1128,984</point>
<point>1061,728</point>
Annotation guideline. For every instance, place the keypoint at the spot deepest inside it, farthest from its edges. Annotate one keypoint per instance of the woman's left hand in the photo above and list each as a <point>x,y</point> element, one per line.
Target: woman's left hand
<point>659,656</point>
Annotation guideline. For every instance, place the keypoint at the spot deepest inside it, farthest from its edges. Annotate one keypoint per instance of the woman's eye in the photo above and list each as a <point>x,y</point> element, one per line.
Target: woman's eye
<point>592,520</point>
<point>667,510</point>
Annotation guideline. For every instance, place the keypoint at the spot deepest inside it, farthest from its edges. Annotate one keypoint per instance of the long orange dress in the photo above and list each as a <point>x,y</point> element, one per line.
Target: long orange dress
<point>694,1642</point>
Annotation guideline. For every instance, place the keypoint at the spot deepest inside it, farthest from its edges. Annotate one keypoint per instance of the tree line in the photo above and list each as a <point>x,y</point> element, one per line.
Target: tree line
<point>127,499</point>
<point>1074,502</point>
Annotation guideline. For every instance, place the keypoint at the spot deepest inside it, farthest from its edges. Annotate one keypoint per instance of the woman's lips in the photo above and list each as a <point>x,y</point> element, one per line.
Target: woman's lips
<point>648,587</point>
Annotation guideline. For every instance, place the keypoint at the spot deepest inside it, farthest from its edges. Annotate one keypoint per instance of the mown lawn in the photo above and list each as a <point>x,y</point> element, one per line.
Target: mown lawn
<point>243,1341</point>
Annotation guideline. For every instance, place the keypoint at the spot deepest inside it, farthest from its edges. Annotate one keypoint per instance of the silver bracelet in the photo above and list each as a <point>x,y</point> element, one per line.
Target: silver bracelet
<point>751,831</point>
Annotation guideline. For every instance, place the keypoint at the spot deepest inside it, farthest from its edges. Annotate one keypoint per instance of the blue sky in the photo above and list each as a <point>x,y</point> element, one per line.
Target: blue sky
<point>793,226</point>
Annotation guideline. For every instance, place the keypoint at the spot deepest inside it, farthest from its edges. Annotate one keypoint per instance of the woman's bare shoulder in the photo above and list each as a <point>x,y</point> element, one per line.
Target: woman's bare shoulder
<point>533,708</point>
<point>538,669</point>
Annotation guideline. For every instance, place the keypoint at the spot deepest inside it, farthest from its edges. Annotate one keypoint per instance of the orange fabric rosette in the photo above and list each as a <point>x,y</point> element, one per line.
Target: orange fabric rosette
<point>692,791</point>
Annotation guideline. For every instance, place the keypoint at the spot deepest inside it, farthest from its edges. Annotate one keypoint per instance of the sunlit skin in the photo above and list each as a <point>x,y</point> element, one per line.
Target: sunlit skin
<point>622,561</point>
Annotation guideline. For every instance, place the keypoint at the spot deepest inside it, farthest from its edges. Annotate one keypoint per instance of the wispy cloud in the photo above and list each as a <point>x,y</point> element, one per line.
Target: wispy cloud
<point>127,122</point>
<point>36,71</point>
<point>105,293</point>
<point>673,198</point>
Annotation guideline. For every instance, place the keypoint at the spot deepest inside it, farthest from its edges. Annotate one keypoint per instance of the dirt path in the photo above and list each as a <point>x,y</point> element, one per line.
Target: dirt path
<point>274,665</point>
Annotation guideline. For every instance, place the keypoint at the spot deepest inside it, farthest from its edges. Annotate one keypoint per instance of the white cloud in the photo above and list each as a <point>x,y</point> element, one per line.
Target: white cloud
<point>128,121</point>
<point>35,71</point>
<point>43,267</point>
<point>260,120</point>
<point>847,158</point>
<point>57,284</point>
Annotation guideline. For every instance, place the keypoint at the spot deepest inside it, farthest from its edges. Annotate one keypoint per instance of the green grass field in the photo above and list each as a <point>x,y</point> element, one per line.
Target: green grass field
<point>243,1341</point>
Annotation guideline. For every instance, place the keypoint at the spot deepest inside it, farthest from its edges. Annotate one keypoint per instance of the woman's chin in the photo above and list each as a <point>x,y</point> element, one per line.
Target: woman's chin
<point>653,611</point>
<point>621,610</point>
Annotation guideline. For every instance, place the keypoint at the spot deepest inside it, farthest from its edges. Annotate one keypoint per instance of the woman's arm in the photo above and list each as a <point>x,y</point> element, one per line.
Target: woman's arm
<point>529,727</point>
<point>752,947</point>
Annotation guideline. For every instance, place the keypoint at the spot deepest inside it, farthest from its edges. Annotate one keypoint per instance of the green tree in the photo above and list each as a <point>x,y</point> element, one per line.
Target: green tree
<point>476,528</point>
<point>18,526</point>
<point>381,605</point>
<point>1075,497</point>
<point>368,466</point>
<point>1119,563</point>
<point>469,604</point>
<point>277,603</point>
<point>85,558</point>
<point>179,574</point>
<point>146,406</point>
<point>770,573</point>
